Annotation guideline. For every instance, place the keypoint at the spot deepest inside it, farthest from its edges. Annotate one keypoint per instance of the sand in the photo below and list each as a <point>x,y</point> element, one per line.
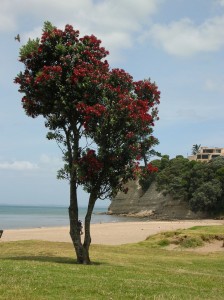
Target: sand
<point>106,233</point>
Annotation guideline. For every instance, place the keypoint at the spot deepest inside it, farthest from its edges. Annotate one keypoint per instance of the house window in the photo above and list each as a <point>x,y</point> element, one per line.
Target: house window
<point>202,156</point>
<point>218,150</point>
<point>207,150</point>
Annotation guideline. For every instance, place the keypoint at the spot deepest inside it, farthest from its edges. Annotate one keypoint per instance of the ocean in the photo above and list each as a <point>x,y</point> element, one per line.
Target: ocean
<point>18,217</point>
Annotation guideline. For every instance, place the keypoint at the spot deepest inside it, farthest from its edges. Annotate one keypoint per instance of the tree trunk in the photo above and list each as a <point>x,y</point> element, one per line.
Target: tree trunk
<point>73,217</point>
<point>87,240</point>
<point>82,250</point>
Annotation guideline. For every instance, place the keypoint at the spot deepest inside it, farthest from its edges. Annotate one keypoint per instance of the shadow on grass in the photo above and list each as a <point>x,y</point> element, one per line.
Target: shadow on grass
<point>48,259</point>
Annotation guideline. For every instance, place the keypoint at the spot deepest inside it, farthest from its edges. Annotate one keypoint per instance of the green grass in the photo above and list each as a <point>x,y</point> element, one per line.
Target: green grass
<point>47,270</point>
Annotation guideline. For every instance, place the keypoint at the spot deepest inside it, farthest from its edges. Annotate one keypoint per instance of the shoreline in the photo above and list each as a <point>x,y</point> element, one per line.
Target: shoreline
<point>106,233</point>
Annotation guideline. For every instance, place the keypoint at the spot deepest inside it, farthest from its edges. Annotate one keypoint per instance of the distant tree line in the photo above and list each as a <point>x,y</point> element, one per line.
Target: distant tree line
<point>200,184</point>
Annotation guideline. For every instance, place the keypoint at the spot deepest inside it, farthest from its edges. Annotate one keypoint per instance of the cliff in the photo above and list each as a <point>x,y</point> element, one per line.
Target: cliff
<point>151,204</point>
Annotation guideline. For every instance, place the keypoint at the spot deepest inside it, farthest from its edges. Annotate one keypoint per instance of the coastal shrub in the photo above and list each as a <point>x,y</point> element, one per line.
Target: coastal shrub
<point>191,242</point>
<point>164,243</point>
<point>200,184</point>
<point>169,234</point>
<point>207,196</point>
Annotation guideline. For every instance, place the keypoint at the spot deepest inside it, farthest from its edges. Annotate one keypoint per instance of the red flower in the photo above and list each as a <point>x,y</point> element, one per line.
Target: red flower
<point>150,168</point>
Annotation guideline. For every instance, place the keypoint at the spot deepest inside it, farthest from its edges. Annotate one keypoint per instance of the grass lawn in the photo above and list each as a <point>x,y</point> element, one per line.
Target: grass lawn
<point>47,270</point>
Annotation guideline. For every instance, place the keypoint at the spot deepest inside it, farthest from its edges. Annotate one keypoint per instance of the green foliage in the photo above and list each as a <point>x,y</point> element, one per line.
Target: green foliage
<point>220,173</point>
<point>207,196</point>
<point>164,162</point>
<point>200,184</point>
<point>195,149</point>
<point>164,243</point>
<point>190,242</point>
<point>173,177</point>
<point>30,47</point>
<point>145,182</point>
<point>48,27</point>
<point>169,234</point>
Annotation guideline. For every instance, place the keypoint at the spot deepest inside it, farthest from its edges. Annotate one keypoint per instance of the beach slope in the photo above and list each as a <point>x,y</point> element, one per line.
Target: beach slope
<point>106,233</point>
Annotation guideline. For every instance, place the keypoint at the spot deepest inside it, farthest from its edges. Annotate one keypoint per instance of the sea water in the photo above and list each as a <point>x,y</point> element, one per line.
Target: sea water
<point>17,217</point>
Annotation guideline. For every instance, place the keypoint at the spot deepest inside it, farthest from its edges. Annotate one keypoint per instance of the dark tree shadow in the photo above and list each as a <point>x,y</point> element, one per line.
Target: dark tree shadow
<point>51,259</point>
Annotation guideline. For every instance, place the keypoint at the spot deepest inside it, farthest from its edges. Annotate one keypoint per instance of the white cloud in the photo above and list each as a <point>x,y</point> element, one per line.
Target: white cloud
<point>115,22</point>
<point>221,2</point>
<point>46,162</point>
<point>185,115</point>
<point>50,160</point>
<point>184,38</point>
<point>7,20</point>
<point>33,34</point>
<point>214,85</point>
<point>210,85</point>
<point>18,166</point>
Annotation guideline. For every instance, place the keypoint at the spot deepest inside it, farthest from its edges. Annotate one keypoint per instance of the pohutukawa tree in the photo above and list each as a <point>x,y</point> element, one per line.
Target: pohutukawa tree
<point>67,80</point>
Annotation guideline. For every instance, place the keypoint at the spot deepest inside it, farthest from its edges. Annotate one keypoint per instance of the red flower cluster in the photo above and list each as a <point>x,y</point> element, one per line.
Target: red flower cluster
<point>130,135</point>
<point>120,78</point>
<point>48,73</point>
<point>89,166</point>
<point>90,111</point>
<point>146,90</point>
<point>138,157</point>
<point>69,32</point>
<point>91,42</point>
<point>80,72</point>
<point>137,170</point>
<point>143,172</point>
<point>136,109</point>
<point>86,71</point>
<point>54,33</point>
<point>151,169</point>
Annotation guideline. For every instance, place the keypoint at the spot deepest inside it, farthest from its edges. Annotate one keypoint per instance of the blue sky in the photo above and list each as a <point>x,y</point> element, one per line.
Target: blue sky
<point>179,44</point>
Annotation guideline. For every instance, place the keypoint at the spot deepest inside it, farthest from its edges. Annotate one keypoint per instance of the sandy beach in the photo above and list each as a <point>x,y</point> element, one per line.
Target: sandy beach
<point>106,233</point>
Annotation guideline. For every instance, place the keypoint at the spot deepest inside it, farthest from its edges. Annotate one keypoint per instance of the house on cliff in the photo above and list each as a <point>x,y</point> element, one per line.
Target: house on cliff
<point>206,154</point>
